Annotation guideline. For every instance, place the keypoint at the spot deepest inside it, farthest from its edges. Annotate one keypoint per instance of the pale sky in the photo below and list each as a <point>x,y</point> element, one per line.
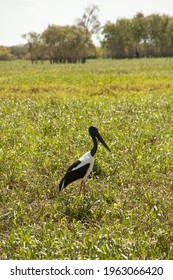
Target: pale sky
<point>22,16</point>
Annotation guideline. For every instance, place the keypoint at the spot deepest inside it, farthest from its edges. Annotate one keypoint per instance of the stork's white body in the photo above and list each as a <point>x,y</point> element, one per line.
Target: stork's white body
<point>86,159</point>
<point>80,169</point>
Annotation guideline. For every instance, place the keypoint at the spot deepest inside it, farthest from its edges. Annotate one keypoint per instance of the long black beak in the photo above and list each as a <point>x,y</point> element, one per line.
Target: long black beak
<point>99,137</point>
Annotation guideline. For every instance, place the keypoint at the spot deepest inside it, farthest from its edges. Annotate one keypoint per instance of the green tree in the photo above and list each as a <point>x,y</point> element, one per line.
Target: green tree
<point>138,31</point>
<point>169,32</point>
<point>118,39</point>
<point>35,46</point>
<point>157,34</point>
<point>54,39</point>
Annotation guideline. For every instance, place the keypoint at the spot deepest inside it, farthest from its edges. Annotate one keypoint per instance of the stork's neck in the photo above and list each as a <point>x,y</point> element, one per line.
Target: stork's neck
<point>94,149</point>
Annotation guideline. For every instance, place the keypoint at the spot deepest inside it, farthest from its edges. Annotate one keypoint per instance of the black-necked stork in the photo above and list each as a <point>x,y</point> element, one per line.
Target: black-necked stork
<point>82,167</point>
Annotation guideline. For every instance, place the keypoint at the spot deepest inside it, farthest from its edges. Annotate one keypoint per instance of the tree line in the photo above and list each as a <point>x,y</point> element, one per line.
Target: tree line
<point>140,36</point>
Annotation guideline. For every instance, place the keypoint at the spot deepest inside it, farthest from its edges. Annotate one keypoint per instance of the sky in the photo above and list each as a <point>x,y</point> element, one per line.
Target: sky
<point>19,17</point>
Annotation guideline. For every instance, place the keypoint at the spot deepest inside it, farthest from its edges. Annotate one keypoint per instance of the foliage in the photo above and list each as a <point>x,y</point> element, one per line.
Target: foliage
<point>5,53</point>
<point>35,46</point>
<point>60,44</point>
<point>67,43</point>
<point>140,36</point>
<point>45,114</point>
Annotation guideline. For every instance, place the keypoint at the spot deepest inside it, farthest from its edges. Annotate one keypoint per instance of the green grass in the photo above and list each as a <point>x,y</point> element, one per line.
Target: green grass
<point>45,112</point>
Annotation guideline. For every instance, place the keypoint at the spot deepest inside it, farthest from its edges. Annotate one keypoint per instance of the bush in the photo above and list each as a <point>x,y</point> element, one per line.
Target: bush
<point>5,53</point>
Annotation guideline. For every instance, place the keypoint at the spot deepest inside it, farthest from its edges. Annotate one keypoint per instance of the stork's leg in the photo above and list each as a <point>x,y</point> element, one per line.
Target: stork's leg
<point>82,188</point>
<point>84,192</point>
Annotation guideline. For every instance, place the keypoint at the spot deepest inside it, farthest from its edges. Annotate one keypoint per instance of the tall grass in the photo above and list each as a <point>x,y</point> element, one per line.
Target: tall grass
<point>45,114</point>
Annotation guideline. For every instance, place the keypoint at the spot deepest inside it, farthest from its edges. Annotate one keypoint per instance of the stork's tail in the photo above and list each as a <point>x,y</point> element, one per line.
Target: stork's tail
<point>61,184</point>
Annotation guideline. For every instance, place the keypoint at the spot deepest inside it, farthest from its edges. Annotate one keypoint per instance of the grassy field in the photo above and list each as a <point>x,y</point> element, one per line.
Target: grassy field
<point>45,112</point>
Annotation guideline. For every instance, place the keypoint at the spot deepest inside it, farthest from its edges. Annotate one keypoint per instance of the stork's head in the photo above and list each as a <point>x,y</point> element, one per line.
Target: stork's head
<point>93,131</point>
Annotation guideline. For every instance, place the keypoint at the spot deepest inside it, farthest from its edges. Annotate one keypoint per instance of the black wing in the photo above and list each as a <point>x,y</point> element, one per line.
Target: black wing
<point>74,164</point>
<point>73,175</point>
